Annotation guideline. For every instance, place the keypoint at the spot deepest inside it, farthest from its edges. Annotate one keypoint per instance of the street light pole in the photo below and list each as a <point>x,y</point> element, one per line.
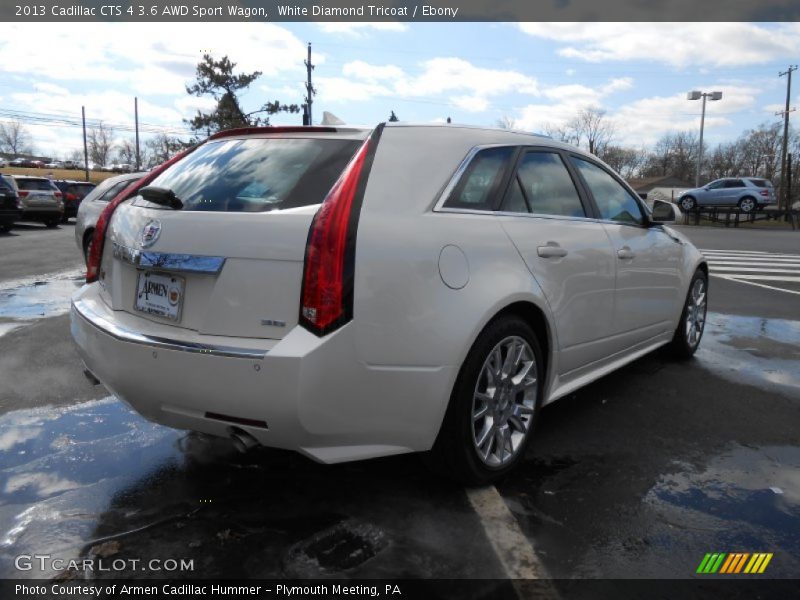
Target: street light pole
<point>697,95</point>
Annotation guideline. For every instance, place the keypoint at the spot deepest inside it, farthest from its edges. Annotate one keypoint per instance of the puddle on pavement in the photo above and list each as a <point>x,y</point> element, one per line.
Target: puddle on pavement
<point>753,350</point>
<point>25,300</point>
<point>74,478</point>
<point>752,487</point>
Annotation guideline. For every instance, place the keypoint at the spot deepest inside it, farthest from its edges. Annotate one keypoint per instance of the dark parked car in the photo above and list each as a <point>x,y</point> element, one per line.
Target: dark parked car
<point>10,207</point>
<point>74,193</point>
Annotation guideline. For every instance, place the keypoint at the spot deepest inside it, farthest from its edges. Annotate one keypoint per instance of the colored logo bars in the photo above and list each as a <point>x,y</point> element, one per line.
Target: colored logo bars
<point>737,562</point>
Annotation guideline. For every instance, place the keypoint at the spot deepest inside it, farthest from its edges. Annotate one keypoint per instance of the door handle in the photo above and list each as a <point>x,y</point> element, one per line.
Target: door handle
<point>625,253</point>
<point>551,250</point>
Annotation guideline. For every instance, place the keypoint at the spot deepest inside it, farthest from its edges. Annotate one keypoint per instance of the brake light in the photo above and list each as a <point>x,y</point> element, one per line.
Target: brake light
<point>329,268</point>
<point>71,197</point>
<point>57,194</point>
<point>99,238</point>
<point>764,193</point>
<point>23,193</point>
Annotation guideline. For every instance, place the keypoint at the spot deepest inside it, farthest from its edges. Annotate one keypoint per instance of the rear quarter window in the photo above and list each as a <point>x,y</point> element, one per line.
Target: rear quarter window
<point>257,174</point>
<point>761,183</point>
<point>480,185</point>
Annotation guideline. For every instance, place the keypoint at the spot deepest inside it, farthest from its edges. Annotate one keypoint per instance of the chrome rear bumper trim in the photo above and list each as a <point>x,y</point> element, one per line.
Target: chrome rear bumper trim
<point>83,310</point>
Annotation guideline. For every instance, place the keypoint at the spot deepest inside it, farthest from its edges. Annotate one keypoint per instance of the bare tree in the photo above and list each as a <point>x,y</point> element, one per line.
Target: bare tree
<point>161,148</point>
<point>14,138</point>
<point>673,154</point>
<point>506,122</point>
<point>562,133</point>
<point>593,126</point>
<point>625,161</point>
<point>126,152</point>
<point>100,140</point>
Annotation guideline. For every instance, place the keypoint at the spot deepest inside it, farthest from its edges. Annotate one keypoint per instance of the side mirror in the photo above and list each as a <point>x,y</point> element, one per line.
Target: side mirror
<point>665,212</point>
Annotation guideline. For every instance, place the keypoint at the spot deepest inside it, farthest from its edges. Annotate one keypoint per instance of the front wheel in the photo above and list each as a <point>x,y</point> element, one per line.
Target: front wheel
<point>693,318</point>
<point>494,404</point>
<point>688,203</point>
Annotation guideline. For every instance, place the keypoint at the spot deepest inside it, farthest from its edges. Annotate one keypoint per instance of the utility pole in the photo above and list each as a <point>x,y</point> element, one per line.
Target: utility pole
<point>784,202</point>
<point>310,91</point>
<point>136,119</point>
<point>85,147</point>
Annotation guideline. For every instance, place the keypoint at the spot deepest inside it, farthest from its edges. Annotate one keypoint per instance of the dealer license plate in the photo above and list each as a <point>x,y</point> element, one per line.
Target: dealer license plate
<point>159,294</point>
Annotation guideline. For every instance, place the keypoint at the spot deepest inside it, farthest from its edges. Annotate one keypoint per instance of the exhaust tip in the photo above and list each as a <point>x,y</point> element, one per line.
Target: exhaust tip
<point>242,441</point>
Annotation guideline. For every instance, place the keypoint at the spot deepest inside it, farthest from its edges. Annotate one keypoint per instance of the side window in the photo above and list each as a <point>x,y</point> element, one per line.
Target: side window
<point>734,183</point>
<point>547,185</point>
<point>113,191</point>
<point>614,201</point>
<point>515,199</point>
<point>715,185</point>
<point>479,186</point>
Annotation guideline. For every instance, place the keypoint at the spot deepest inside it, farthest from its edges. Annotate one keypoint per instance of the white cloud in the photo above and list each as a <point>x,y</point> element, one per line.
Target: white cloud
<point>674,44</point>
<point>463,84</point>
<point>361,29</point>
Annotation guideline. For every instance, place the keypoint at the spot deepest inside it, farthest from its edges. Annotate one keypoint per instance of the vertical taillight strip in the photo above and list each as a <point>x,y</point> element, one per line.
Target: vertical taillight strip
<point>326,299</point>
<point>99,238</point>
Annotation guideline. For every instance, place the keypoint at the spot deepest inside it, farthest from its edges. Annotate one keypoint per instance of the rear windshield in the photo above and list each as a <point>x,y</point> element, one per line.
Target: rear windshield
<point>35,184</point>
<point>761,183</point>
<point>257,174</point>
<point>81,189</point>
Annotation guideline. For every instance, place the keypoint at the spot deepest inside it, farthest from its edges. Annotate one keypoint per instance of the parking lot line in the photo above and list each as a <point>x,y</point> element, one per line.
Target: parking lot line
<point>512,548</point>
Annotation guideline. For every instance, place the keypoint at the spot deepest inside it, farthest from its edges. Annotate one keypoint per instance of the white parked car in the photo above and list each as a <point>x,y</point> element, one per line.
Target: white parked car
<point>93,205</point>
<point>433,293</point>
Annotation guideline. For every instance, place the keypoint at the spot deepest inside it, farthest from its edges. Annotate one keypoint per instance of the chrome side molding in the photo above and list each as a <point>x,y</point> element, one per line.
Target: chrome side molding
<point>83,310</point>
<point>186,263</point>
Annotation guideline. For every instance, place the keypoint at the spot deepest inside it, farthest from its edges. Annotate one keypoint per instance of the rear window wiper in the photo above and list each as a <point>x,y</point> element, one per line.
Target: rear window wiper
<point>163,196</point>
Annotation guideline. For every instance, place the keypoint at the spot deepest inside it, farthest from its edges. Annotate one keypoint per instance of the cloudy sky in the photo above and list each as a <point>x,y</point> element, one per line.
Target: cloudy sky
<point>477,73</point>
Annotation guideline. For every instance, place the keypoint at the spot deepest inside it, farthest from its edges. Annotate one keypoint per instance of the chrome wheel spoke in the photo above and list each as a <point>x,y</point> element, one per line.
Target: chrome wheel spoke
<point>480,413</point>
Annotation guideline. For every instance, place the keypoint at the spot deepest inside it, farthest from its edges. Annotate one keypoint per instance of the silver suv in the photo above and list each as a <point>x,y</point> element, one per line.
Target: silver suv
<point>41,200</point>
<point>748,193</point>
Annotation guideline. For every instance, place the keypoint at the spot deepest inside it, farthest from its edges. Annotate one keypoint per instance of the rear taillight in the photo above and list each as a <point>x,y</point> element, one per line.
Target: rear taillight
<point>329,268</point>
<point>23,193</point>
<point>764,193</point>
<point>99,238</point>
<point>58,194</point>
<point>71,197</point>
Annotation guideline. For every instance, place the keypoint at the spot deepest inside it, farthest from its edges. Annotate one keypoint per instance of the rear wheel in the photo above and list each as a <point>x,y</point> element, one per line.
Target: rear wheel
<point>688,203</point>
<point>693,318</point>
<point>747,204</point>
<point>494,404</point>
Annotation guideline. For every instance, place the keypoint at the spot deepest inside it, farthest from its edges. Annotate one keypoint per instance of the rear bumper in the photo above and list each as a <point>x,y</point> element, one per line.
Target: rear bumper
<point>310,393</point>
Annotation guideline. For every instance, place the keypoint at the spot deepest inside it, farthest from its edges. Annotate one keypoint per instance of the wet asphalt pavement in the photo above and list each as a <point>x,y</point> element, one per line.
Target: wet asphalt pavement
<point>637,475</point>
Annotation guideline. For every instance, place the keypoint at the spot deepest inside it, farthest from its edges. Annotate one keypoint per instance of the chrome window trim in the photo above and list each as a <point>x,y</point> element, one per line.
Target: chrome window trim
<point>182,263</point>
<point>82,309</point>
<point>527,215</point>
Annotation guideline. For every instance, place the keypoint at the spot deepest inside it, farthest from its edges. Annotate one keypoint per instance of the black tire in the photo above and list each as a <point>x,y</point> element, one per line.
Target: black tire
<point>683,345</point>
<point>88,236</point>
<point>688,203</point>
<point>5,227</point>
<point>748,204</point>
<point>456,453</point>
<point>52,223</point>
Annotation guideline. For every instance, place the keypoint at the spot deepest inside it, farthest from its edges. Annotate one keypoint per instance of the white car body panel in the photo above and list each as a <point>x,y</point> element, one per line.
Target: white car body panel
<point>427,281</point>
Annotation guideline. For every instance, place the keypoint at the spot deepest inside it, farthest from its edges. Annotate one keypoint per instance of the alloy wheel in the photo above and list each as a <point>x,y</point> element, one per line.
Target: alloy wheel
<point>695,313</point>
<point>504,401</point>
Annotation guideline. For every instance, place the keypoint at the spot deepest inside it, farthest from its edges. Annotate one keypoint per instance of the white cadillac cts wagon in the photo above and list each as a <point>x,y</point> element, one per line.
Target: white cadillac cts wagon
<point>351,293</point>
